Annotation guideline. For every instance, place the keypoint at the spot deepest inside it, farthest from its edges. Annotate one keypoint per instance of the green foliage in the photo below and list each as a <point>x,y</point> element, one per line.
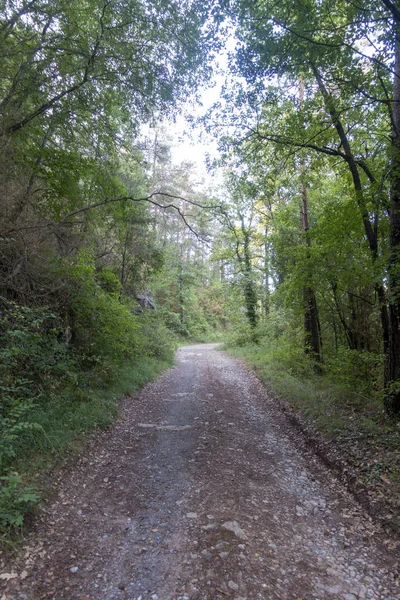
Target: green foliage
<point>103,327</point>
<point>361,371</point>
<point>16,500</point>
<point>109,282</point>
<point>327,402</point>
<point>67,417</point>
<point>14,426</point>
<point>59,381</point>
<point>240,334</point>
<point>157,339</point>
<point>277,342</point>
<point>33,360</point>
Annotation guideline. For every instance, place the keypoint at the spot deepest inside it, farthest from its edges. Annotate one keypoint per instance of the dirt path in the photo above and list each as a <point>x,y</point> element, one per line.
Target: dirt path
<point>202,491</point>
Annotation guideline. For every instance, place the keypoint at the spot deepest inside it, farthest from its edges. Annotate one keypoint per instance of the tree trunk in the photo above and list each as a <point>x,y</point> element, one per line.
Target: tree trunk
<point>181,297</point>
<point>392,384</point>
<point>250,293</point>
<point>266,274</point>
<point>313,342</point>
<point>347,330</point>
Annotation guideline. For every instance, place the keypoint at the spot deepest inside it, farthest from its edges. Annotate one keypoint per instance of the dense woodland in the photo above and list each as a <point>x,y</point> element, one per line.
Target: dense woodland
<point>111,253</point>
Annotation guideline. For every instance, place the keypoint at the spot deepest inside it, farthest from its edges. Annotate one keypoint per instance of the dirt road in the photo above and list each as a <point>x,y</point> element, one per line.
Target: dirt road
<point>202,491</point>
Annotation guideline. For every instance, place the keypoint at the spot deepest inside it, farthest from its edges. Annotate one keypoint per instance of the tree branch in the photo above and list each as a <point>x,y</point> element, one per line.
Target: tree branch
<point>279,139</point>
<point>150,199</point>
<point>46,106</point>
<point>393,9</point>
<point>325,44</point>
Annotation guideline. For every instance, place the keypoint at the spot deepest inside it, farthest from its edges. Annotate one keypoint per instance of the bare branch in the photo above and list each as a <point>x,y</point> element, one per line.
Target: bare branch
<point>150,199</point>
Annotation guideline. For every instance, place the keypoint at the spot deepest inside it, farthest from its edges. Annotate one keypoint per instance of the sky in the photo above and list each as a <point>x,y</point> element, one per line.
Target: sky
<point>193,144</point>
<point>188,145</point>
<point>190,142</point>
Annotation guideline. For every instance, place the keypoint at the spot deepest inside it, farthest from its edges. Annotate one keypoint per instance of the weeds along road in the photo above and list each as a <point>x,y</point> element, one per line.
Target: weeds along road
<point>202,490</point>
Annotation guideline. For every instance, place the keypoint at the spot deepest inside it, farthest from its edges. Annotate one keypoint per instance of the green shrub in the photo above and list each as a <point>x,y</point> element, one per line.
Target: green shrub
<point>14,424</point>
<point>16,501</point>
<point>33,360</point>
<point>355,369</point>
<point>240,334</point>
<point>102,325</point>
<point>158,342</point>
<point>62,371</point>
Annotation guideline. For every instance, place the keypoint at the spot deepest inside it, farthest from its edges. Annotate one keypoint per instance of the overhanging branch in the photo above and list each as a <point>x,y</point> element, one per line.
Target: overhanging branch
<point>151,200</point>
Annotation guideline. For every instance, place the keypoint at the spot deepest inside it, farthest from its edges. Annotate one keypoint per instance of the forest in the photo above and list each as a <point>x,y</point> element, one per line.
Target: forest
<point>112,253</point>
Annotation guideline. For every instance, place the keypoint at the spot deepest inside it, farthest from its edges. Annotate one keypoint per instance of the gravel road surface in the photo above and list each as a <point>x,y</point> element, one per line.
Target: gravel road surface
<point>202,491</point>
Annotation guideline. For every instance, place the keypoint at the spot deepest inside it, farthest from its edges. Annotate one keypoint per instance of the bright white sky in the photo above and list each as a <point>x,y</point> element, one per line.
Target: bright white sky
<point>187,143</point>
<point>191,143</point>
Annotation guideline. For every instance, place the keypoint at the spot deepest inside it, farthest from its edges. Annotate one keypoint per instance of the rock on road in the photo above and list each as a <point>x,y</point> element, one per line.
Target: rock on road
<point>202,491</point>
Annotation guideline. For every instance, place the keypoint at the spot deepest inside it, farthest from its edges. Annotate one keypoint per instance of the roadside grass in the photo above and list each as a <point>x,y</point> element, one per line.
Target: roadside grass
<point>355,425</point>
<point>327,404</point>
<point>62,426</point>
<point>63,420</point>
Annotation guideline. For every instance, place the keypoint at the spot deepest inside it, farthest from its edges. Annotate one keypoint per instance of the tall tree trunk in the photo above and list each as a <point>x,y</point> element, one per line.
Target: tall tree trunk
<point>266,274</point>
<point>123,264</point>
<point>313,342</point>
<point>181,294</point>
<point>370,231</point>
<point>250,293</point>
<point>347,330</point>
<point>392,387</point>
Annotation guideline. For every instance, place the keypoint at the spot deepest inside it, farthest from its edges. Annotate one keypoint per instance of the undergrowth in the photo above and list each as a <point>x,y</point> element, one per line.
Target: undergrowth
<point>329,405</point>
<point>347,383</point>
<point>61,375</point>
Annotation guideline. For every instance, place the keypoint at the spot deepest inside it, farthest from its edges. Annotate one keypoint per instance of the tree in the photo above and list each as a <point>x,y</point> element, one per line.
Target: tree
<point>345,53</point>
<point>238,222</point>
<point>78,80</point>
<point>311,317</point>
<point>393,376</point>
